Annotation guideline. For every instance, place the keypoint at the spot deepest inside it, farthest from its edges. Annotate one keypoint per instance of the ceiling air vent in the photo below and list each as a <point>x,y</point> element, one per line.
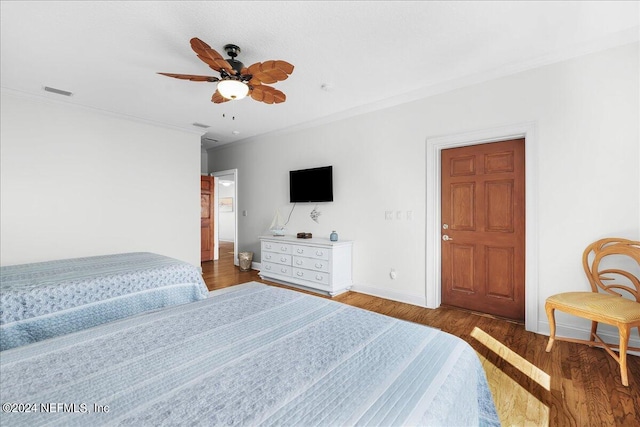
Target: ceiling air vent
<point>200,125</point>
<point>57,91</point>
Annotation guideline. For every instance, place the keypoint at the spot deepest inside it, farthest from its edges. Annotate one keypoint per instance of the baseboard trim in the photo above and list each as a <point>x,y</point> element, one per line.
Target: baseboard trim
<point>418,300</point>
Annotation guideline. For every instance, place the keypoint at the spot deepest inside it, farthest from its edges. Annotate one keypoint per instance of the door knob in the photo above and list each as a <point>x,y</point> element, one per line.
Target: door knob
<point>446,238</point>
<point>445,226</point>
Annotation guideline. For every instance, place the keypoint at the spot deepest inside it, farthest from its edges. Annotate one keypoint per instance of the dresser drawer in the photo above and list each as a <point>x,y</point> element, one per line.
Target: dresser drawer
<point>273,268</point>
<point>283,248</point>
<point>277,258</point>
<point>311,276</point>
<point>311,252</point>
<point>311,264</point>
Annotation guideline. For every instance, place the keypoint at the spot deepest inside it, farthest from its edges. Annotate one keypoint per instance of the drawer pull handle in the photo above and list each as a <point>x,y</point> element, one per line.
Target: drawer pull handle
<point>284,270</point>
<point>318,277</point>
<point>318,265</point>
<point>298,262</point>
<point>300,251</point>
<point>267,256</point>
<point>283,249</point>
<point>267,267</point>
<point>319,253</point>
<point>268,246</point>
<point>300,273</point>
<point>283,259</point>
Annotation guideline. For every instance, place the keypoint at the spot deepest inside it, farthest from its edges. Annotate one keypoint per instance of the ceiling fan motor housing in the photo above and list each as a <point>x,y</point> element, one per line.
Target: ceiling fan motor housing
<point>233,51</point>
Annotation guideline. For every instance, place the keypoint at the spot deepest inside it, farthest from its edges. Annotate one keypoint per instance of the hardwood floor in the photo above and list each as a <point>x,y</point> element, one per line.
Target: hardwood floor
<point>585,385</point>
<point>222,273</point>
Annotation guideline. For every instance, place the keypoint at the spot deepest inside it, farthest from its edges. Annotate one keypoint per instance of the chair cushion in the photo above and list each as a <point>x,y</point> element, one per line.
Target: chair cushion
<point>616,308</point>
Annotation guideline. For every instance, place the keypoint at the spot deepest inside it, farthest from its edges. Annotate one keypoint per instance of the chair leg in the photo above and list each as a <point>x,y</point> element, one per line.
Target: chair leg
<point>552,325</point>
<point>624,343</point>
<point>594,330</point>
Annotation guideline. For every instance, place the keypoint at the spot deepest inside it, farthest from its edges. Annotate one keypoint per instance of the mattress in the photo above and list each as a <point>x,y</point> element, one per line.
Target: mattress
<point>251,355</point>
<point>43,300</point>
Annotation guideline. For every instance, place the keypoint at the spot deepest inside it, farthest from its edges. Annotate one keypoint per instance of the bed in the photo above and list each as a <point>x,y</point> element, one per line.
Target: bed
<point>248,355</point>
<point>46,299</point>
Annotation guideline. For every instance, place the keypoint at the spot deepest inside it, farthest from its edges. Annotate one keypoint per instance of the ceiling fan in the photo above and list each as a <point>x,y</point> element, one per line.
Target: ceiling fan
<point>237,81</point>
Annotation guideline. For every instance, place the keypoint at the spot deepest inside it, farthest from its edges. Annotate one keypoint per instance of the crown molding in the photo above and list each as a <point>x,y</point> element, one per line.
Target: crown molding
<point>48,100</point>
<point>628,36</point>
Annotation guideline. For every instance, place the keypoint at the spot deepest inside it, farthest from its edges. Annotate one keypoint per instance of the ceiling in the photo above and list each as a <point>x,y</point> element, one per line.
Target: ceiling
<point>350,57</point>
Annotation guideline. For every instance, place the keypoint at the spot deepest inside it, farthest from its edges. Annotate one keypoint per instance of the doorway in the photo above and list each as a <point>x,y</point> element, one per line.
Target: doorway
<point>434,146</point>
<point>227,214</point>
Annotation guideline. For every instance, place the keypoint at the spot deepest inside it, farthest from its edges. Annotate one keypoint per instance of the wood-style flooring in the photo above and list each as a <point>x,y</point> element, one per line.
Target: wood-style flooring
<point>585,386</point>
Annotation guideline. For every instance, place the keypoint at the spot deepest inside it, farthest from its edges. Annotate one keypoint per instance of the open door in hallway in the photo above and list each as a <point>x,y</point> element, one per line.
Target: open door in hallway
<point>207,223</point>
<point>483,228</point>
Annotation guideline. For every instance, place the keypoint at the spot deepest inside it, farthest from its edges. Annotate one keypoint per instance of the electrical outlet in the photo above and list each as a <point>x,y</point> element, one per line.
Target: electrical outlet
<point>393,274</point>
<point>388,215</point>
<point>409,215</point>
<point>398,214</point>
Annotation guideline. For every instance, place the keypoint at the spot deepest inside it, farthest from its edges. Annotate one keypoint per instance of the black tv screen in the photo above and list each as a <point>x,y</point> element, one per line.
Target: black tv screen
<point>311,185</point>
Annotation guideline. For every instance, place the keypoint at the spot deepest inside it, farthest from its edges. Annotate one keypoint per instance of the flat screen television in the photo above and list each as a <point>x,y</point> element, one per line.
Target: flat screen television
<point>311,185</point>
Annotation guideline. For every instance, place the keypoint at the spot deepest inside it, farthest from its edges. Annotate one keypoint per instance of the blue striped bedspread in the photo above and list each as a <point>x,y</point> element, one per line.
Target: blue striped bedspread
<point>47,299</point>
<point>249,355</point>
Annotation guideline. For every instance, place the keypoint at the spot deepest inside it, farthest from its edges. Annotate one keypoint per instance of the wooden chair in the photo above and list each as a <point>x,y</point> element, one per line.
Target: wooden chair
<point>605,304</point>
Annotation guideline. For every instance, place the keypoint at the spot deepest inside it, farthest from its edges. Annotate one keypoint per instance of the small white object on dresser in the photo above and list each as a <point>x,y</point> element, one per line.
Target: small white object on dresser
<point>316,264</point>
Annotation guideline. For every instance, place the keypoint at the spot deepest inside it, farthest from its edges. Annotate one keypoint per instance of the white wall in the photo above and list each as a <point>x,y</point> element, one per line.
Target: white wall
<point>78,183</point>
<point>586,112</point>
<point>204,162</point>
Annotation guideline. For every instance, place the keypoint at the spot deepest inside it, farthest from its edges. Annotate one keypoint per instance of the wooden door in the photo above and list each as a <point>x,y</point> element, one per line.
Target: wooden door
<point>483,228</point>
<point>206,218</point>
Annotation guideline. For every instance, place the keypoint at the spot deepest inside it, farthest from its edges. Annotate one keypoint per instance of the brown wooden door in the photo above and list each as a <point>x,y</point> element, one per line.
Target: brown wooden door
<point>206,218</point>
<point>483,228</point>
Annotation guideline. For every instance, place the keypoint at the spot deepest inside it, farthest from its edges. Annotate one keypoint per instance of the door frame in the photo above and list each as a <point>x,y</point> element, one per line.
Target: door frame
<point>233,172</point>
<point>434,145</point>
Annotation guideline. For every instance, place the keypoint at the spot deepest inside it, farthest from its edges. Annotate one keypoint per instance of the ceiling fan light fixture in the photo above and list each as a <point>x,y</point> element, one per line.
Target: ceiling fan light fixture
<point>233,89</point>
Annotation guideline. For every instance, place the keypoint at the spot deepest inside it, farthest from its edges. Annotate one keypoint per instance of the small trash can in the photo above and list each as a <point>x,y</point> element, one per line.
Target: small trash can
<point>245,259</point>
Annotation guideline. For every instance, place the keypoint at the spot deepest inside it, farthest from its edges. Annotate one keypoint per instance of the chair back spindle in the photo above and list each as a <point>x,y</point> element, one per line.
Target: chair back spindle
<point>613,281</point>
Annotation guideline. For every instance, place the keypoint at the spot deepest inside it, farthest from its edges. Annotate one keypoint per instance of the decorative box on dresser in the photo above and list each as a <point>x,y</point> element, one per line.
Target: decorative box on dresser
<point>316,264</point>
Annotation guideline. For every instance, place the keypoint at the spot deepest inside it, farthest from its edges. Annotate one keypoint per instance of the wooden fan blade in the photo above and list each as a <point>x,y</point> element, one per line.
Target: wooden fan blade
<point>257,93</point>
<point>268,98</point>
<point>217,98</point>
<point>267,94</point>
<point>284,66</point>
<point>210,56</point>
<point>269,71</point>
<point>192,77</point>
<point>268,74</point>
<point>254,69</point>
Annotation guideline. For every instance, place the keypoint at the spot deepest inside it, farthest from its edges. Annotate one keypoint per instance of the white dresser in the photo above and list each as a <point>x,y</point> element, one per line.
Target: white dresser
<point>316,264</point>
